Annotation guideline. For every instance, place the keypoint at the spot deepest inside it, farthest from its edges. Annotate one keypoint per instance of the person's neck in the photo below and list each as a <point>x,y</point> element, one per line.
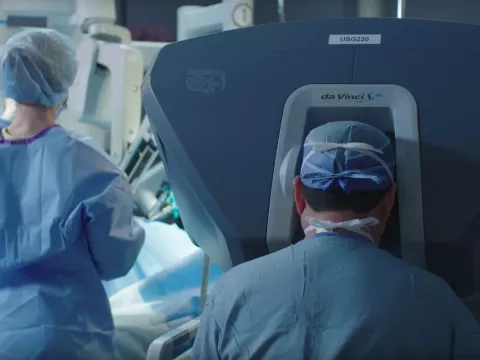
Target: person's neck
<point>333,216</point>
<point>30,120</point>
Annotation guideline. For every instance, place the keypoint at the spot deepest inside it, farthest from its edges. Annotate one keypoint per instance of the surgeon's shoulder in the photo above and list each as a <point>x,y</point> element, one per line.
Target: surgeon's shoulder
<point>431,290</point>
<point>250,275</point>
<point>231,283</point>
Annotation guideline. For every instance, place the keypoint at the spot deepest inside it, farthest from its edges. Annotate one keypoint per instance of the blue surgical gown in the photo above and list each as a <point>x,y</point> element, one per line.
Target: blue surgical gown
<point>334,296</point>
<point>65,224</point>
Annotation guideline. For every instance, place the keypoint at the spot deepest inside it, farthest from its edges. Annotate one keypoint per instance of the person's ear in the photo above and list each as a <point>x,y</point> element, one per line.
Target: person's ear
<point>300,203</point>
<point>392,192</point>
<point>388,201</point>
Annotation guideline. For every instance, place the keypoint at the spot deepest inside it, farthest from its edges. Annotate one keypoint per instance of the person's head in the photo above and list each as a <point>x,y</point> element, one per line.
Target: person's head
<point>347,173</point>
<point>37,69</point>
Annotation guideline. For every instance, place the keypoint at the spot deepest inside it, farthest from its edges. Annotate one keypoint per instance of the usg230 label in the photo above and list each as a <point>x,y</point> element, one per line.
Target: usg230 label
<point>355,39</point>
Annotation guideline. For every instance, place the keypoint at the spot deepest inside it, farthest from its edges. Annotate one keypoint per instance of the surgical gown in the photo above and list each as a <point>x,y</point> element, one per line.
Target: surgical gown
<point>334,296</point>
<point>65,224</point>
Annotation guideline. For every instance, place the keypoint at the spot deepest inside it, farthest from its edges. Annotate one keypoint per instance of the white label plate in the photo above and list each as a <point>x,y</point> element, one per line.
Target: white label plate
<point>355,39</point>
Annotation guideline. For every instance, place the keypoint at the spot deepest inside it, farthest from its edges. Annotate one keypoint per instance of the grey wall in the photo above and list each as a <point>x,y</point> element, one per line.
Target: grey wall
<point>314,9</point>
<point>451,10</point>
<point>317,9</point>
<point>467,11</point>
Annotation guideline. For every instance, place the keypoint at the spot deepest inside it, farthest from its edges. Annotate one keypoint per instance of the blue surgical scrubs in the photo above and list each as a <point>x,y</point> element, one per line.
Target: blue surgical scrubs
<point>334,296</point>
<point>66,223</point>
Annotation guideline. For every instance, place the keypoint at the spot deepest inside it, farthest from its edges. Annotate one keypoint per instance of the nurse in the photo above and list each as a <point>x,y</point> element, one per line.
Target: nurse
<point>66,214</point>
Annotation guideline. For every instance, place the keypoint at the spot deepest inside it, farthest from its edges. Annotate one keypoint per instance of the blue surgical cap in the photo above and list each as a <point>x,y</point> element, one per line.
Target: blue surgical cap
<point>38,67</point>
<point>347,155</point>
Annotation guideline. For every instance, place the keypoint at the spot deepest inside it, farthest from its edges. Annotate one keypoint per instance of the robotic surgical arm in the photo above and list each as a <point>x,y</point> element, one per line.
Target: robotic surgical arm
<point>104,101</point>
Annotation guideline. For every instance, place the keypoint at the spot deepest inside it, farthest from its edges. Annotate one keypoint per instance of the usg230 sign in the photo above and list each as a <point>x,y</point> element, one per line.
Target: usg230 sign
<point>357,39</point>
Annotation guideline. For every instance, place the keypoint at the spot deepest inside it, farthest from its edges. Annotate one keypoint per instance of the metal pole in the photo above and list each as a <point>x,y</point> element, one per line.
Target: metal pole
<point>205,278</point>
<point>401,8</point>
<point>281,10</point>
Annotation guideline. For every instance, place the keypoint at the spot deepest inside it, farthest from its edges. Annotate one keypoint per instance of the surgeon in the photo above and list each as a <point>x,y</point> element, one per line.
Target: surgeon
<point>65,214</point>
<point>335,294</point>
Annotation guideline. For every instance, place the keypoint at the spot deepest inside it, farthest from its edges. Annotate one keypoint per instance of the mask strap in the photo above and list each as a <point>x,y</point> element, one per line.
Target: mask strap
<point>357,226</point>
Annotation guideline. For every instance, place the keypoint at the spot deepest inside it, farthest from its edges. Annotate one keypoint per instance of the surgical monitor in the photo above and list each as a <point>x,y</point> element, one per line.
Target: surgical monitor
<point>232,135</point>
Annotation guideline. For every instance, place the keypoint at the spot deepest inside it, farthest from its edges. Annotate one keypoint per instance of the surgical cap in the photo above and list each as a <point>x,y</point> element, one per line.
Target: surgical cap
<point>38,67</point>
<point>347,155</point>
